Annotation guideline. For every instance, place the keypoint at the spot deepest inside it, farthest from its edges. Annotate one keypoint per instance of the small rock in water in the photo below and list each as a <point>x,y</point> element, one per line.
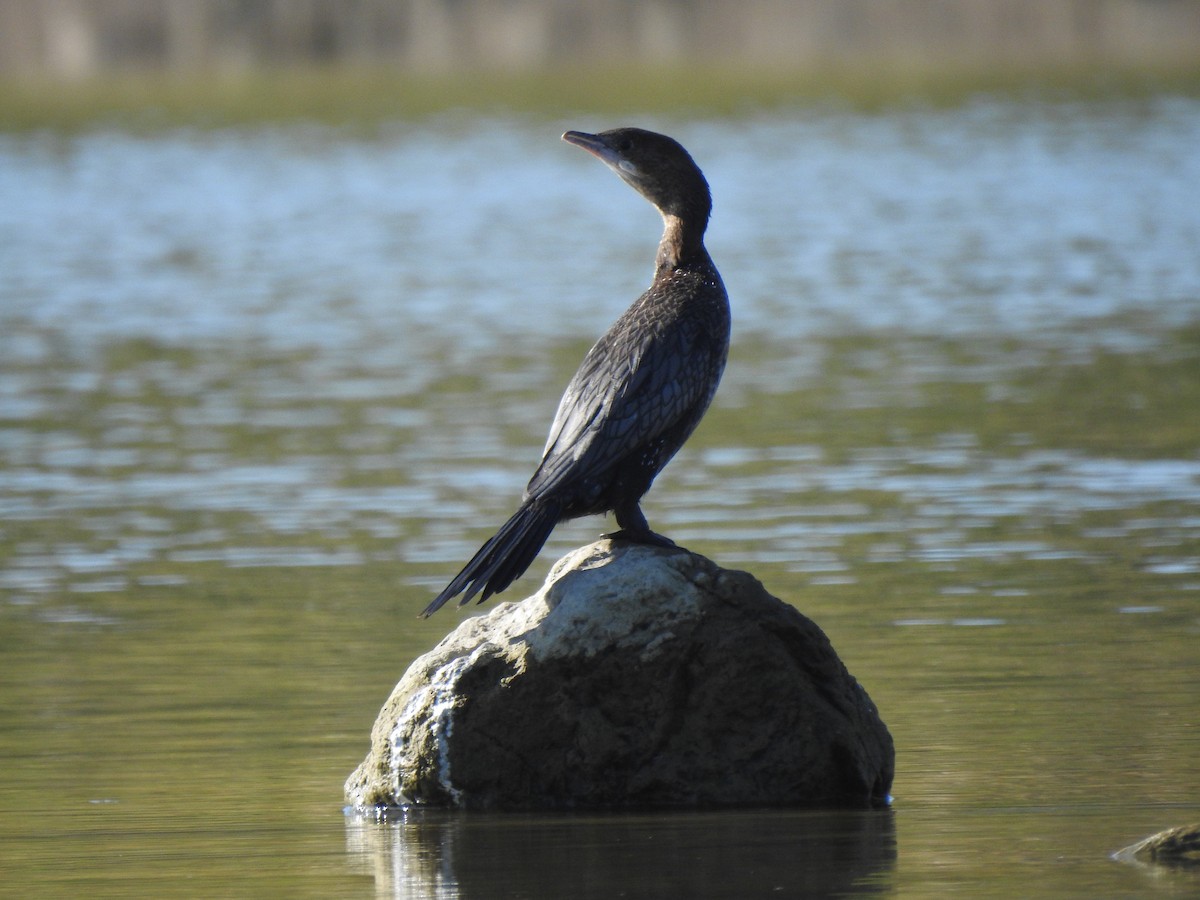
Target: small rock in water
<point>637,677</point>
<point>1173,847</point>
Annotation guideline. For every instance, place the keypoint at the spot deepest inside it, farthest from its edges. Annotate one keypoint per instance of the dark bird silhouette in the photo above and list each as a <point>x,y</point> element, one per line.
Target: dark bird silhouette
<point>643,387</point>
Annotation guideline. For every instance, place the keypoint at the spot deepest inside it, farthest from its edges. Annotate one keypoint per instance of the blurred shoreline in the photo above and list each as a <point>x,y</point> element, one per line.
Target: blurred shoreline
<point>150,63</point>
<point>366,98</point>
<point>80,39</point>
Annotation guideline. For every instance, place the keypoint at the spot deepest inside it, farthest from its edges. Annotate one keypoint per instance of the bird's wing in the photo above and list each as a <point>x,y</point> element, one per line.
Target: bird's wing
<point>619,401</point>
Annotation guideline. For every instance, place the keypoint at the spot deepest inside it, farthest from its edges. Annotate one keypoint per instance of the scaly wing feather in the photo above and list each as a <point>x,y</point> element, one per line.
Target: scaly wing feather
<point>617,404</point>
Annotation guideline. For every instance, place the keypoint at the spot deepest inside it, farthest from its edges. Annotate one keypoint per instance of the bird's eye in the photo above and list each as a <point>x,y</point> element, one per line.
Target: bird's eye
<point>625,145</point>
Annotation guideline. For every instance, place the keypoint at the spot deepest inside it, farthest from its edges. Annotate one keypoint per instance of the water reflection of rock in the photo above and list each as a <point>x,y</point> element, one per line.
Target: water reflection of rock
<point>741,854</point>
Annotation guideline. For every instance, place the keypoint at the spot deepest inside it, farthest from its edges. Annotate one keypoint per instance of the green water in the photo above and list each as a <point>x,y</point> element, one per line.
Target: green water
<point>241,448</point>
<point>182,724</point>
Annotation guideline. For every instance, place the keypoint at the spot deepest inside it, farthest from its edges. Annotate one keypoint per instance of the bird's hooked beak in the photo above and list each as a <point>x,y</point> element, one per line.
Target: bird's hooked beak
<point>599,148</point>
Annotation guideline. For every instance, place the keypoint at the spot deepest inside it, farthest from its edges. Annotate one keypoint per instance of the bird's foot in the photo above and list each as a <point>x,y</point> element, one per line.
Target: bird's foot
<point>640,537</point>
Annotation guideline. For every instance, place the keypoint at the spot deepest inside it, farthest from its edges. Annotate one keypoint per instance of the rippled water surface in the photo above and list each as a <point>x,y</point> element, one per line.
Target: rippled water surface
<point>262,392</point>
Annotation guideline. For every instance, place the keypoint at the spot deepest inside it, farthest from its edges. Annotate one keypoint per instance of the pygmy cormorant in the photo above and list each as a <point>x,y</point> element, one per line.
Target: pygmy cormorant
<point>640,390</point>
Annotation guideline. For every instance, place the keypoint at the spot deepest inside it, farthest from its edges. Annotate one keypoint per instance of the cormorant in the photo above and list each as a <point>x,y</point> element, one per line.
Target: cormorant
<point>640,390</point>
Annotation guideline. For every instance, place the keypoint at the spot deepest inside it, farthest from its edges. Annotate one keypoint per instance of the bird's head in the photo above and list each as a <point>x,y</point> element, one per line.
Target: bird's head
<point>656,166</point>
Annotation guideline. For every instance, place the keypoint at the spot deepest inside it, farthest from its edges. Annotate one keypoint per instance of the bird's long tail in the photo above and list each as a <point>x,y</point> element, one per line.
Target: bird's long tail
<point>504,557</point>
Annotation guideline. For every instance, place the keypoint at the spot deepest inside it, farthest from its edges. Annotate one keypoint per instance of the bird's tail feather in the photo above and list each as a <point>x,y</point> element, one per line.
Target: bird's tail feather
<point>504,557</point>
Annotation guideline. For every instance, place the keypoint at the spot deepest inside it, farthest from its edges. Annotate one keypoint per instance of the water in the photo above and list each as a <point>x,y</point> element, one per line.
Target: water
<point>263,391</point>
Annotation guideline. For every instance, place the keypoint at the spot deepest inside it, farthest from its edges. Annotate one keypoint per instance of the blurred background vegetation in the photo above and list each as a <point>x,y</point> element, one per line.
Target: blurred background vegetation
<point>68,62</point>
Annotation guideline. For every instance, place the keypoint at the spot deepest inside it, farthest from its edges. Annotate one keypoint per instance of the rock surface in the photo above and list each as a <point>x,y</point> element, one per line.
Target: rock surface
<point>1174,847</point>
<point>637,677</point>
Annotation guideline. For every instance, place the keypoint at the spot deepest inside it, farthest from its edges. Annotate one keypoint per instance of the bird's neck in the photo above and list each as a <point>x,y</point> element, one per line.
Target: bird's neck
<point>682,242</point>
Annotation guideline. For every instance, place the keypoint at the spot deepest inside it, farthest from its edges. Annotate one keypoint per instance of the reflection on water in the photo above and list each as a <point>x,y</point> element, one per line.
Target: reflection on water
<point>262,392</point>
<point>700,855</point>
